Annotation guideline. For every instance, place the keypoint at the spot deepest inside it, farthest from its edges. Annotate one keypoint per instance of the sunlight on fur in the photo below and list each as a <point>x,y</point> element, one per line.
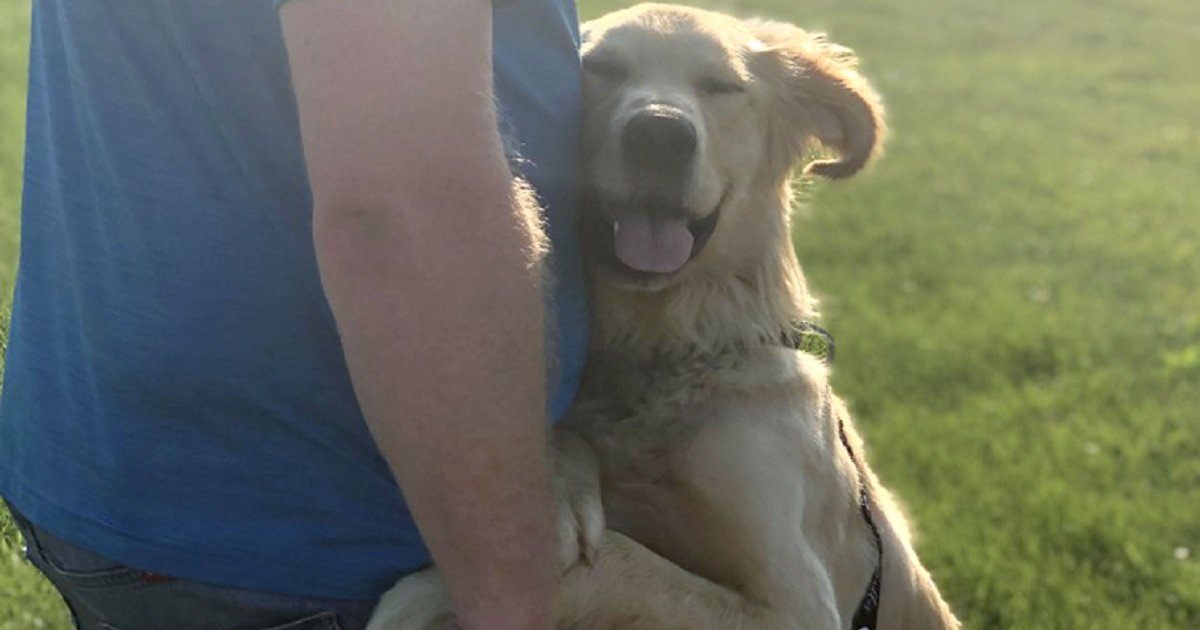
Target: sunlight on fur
<point>708,477</point>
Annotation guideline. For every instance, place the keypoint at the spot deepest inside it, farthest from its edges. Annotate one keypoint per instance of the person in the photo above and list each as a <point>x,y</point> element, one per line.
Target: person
<point>272,271</point>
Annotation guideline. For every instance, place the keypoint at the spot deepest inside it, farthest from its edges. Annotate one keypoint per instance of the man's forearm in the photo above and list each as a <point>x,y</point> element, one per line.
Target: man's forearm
<point>441,317</point>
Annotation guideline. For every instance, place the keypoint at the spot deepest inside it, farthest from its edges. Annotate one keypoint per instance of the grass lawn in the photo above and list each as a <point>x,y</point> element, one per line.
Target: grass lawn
<point>1015,290</point>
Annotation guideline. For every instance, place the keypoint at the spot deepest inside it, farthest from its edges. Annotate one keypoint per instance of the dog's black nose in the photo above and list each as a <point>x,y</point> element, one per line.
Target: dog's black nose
<point>659,140</point>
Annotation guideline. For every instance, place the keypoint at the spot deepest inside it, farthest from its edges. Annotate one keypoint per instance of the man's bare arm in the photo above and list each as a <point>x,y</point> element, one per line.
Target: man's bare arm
<point>425,256</point>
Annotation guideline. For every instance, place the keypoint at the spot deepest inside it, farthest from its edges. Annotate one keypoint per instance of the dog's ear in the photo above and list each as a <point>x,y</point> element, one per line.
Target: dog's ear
<point>820,96</point>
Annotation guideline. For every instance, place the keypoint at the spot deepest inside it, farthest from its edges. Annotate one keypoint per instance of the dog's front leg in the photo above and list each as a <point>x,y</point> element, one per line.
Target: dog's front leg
<point>421,601</point>
<point>629,587</point>
<point>577,491</point>
<point>418,602</point>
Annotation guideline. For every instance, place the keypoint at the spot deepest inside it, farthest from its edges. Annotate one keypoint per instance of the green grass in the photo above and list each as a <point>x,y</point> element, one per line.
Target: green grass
<point>14,55</point>
<point>1015,289</point>
<point>26,599</point>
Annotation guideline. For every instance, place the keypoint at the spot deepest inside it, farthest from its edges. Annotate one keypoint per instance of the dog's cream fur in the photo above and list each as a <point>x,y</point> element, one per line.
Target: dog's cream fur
<point>728,499</point>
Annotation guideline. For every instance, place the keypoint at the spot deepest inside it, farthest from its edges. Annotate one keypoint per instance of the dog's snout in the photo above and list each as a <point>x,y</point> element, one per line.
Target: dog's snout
<point>659,139</point>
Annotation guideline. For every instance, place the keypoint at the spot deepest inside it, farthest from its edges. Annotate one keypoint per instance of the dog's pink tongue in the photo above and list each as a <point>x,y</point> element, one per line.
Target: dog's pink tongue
<point>653,244</point>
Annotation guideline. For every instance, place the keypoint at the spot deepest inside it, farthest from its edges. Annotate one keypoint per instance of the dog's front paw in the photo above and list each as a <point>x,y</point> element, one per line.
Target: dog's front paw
<point>577,489</point>
<point>417,602</point>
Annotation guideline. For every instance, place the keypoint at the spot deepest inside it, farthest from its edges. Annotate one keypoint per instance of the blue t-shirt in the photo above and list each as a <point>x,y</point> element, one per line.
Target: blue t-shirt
<point>175,395</point>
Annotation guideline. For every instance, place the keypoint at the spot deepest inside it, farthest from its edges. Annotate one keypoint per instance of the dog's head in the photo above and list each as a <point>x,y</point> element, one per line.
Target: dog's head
<point>694,123</point>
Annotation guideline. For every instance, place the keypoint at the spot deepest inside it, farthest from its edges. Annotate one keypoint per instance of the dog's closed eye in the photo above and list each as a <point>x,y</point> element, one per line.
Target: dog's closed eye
<point>712,86</point>
<point>606,69</point>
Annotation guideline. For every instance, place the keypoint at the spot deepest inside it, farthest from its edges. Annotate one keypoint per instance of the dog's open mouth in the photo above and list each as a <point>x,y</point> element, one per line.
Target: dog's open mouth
<point>651,238</point>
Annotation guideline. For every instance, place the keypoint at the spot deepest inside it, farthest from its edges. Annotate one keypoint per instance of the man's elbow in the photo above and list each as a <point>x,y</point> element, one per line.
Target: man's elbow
<point>499,221</point>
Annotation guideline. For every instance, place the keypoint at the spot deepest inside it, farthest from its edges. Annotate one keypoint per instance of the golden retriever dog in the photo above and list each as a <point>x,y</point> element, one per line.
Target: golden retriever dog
<point>731,479</point>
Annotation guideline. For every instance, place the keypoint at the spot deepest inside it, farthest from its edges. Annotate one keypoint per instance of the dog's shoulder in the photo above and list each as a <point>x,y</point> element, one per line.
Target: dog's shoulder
<point>777,367</point>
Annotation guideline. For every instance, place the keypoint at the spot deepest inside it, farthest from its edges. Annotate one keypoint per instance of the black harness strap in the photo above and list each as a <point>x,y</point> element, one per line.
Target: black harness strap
<point>867,613</point>
<point>809,337</point>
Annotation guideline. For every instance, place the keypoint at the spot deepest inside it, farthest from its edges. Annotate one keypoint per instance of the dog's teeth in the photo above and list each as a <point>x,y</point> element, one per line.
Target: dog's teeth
<point>616,228</point>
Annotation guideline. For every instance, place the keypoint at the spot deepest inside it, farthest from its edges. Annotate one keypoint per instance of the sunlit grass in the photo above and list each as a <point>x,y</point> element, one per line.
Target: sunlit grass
<point>1015,290</point>
<point>26,600</point>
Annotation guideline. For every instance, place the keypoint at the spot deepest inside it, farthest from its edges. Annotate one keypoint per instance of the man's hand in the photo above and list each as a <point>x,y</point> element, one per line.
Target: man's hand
<point>427,252</point>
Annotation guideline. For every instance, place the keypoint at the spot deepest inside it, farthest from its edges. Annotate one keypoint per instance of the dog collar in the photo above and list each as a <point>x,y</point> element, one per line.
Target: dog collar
<point>811,338</point>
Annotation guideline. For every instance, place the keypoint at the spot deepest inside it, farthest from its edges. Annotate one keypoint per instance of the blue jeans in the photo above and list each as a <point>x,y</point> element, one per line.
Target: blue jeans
<point>105,595</point>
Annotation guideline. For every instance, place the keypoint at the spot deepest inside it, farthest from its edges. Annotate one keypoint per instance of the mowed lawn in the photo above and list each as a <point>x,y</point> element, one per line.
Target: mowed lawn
<point>1015,290</point>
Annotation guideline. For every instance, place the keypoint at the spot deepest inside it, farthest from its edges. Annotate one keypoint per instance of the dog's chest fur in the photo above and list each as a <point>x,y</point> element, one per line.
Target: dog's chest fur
<point>725,465</point>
